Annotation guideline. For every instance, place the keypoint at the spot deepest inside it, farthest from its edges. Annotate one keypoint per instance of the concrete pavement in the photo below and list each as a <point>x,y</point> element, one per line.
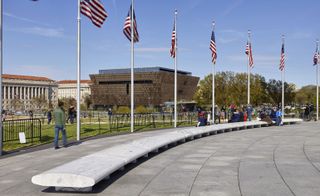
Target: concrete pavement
<point>265,161</point>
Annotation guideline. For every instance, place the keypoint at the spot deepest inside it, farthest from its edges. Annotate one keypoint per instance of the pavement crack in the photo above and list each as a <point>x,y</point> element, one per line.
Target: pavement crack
<point>165,167</point>
<point>275,164</point>
<point>240,159</point>
<point>195,178</point>
<point>307,157</point>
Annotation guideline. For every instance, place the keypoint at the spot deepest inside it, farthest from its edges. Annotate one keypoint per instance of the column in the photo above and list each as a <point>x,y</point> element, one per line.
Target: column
<point>16,92</point>
<point>46,93</point>
<point>32,91</point>
<point>20,95</point>
<point>23,92</point>
<point>5,93</point>
<point>12,92</point>
<point>9,92</point>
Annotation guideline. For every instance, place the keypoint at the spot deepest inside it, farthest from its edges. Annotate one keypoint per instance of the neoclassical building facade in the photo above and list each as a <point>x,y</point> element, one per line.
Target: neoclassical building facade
<point>68,89</point>
<point>23,93</point>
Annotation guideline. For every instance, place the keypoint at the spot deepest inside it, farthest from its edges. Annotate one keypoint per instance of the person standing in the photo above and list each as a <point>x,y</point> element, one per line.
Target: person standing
<point>307,112</point>
<point>49,116</point>
<point>249,112</point>
<point>60,122</point>
<point>279,116</point>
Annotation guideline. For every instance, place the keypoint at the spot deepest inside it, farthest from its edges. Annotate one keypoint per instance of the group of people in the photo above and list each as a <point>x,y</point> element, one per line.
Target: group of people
<point>271,115</point>
<point>240,114</point>
<point>71,115</point>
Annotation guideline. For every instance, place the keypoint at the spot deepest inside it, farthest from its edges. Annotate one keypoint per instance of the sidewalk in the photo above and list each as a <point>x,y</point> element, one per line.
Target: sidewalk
<point>263,161</point>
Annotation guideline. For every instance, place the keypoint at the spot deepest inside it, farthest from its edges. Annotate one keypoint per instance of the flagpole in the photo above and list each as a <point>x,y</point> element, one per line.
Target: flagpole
<point>282,77</point>
<point>1,64</point>
<point>132,67</point>
<point>248,67</point>
<point>78,71</point>
<point>175,69</point>
<point>318,79</point>
<point>213,80</point>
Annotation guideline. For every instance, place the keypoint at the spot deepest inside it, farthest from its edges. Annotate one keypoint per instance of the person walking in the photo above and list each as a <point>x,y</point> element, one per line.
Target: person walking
<point>60,121</point>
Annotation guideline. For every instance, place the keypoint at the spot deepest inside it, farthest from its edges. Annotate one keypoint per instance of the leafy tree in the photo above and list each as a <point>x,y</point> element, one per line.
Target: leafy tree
<point>274,88</point>
<point>307,94</point>
<point>258,90</point>
<point>123,109</point>
<point>238,89</point>
<point>40,102</point>
<point>203,95</point>
<point>68,102</point>
<point>231,88</point>
<point>16,104</point>
<point>141,109</point>
<point>87,101</point>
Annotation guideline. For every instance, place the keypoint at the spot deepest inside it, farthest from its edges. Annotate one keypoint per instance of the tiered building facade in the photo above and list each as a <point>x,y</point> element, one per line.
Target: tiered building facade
<point>153,86</point>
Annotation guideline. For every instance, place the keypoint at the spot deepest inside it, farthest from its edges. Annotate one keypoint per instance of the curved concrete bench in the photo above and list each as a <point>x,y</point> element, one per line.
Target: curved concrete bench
<point>83,173</point>
<point>291,120</point>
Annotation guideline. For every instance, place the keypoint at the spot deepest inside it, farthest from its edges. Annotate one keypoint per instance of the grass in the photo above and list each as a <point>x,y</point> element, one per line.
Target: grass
<point>89,128</point>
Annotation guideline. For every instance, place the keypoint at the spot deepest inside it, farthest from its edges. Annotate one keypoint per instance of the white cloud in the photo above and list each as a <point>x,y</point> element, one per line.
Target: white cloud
<point>261,60</point>
<point>45,32</point>
<point>10,15</point>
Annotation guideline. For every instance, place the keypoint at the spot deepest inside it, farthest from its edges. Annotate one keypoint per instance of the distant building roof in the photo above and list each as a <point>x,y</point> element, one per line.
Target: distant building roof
<point>23,77</point>
<point>73,81</point>
<point>141,70</point>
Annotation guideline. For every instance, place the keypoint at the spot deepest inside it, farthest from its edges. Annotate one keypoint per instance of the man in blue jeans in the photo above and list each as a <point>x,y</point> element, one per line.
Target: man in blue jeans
<point>60,122</point>
<point>279,116</point>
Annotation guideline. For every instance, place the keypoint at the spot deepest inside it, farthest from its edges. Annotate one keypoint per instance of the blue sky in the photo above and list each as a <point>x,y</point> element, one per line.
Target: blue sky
<point>40,37</point>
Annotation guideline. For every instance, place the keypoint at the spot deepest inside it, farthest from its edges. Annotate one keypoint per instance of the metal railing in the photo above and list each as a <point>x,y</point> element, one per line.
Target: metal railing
<point>30,127</point>
<point>153,120</point>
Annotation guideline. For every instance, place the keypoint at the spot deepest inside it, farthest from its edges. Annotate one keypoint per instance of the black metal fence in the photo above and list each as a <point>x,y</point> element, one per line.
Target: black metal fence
<point>30,127</point>
<point>152,120</point>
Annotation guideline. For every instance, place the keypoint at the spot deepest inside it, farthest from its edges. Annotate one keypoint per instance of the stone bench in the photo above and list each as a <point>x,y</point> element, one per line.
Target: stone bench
<point>83,173</point>
<point>291,120</point>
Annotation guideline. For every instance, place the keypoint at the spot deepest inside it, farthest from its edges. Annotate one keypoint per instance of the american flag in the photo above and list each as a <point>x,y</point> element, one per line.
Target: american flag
<point>213,48</point>
<point>127,27</point>
<point>316,56</point>
<point>94,10</point>
<point>249,53</point>
<point>173,42</point>
<point>282,59</point>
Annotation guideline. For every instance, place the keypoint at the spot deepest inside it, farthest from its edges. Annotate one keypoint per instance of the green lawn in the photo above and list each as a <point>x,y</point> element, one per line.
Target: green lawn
<point>90,127</point>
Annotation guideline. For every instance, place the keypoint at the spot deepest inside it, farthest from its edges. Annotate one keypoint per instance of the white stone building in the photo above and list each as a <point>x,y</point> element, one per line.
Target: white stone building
<point>23,93</point>
<point>68,89</point>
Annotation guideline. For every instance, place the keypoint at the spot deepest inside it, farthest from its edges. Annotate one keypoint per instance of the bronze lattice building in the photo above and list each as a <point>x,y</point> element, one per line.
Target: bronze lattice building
<point>153,86</point>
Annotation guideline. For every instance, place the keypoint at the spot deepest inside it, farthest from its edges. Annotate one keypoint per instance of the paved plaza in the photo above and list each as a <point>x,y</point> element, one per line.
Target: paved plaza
<point>262,161</point>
